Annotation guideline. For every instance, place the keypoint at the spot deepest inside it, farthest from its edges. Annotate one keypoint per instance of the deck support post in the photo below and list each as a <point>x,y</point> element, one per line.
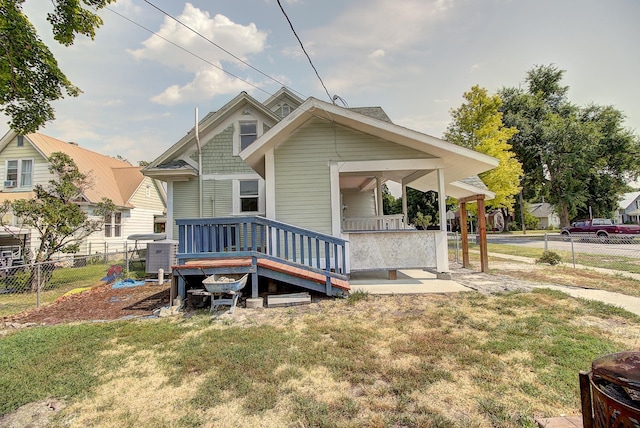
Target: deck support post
<point>254,278</point>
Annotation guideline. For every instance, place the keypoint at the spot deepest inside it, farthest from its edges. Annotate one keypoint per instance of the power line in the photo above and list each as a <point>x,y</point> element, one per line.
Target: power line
<point>189,52</point>
<point>220,47</point>
<point>304,50</point>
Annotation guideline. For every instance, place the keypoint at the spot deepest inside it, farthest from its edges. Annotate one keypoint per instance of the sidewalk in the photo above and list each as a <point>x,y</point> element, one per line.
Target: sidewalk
<point>410,281</point>
<point>629,303</point>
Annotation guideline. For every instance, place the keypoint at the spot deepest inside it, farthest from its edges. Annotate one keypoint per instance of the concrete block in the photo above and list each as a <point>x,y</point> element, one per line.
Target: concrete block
<point>258,302</point>
<point>443,275</point>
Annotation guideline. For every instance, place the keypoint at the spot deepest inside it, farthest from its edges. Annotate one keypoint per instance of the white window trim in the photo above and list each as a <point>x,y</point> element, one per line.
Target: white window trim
<point>19,175</point>
<point>236,196</point>
<point>112,226</point>
<point>236,133</point>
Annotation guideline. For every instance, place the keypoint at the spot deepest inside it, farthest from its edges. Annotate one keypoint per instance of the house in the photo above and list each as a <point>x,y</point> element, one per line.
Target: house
<point>629,208</point>
<point>546,215</point>
<point>309,170</point>
<point>140,200</point>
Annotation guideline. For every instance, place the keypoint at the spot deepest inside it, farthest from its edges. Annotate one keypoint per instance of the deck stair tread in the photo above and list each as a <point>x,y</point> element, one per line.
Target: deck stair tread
<point>298,272</point>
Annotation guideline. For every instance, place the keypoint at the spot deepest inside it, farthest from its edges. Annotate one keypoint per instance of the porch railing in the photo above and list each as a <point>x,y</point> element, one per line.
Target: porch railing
<point>258,236</point>
<point>386,222</point>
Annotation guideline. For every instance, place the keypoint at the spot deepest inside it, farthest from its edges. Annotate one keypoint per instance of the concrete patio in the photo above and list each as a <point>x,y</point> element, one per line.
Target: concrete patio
<point>410,281</point>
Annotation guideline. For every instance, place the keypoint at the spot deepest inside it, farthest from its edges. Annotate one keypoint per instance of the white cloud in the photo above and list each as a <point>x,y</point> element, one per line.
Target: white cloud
<point>72,130</point>
<point>207,81</point>
<point>382,24</point>
<point>378,53</point>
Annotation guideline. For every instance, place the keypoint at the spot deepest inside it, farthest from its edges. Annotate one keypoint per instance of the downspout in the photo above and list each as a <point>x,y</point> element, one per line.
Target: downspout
<point>199,164</point>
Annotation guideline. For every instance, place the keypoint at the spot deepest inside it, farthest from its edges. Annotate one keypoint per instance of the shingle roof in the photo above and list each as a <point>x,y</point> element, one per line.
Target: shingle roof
<point>541,209</point>
<point>374,112</point>
<point>111,178</point>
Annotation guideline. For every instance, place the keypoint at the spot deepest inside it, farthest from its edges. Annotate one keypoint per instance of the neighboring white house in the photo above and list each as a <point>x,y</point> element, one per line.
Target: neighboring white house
<point>629,208</point>
<point>140,200</point>
<point>546,215</point>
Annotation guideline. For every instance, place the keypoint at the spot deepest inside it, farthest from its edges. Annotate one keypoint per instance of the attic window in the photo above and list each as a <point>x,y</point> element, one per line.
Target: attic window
<point>248,133</point>
<point>20,140</point>
<point>286,110</point>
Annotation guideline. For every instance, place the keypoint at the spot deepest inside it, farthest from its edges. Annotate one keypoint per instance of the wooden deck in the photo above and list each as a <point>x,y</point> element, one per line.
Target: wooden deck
<point>261,248</point>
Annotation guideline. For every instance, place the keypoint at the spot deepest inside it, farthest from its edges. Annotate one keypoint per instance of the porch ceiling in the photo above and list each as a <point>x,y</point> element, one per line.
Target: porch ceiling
<point>423,180</point>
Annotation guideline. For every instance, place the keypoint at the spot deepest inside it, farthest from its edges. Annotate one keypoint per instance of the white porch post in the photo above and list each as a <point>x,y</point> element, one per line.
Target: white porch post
<point>379,196</point>
<point>405,209</point>
<point>270,185</point>
<point>169,225</point>
<point>336,209</point>
<point>442,245</point>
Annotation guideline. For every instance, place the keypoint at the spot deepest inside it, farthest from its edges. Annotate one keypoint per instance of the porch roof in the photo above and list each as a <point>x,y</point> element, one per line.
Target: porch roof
<point>457,162</point>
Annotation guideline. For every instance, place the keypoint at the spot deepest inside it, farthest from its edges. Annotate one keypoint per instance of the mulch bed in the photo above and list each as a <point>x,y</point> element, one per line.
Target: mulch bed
<point>100,303</point>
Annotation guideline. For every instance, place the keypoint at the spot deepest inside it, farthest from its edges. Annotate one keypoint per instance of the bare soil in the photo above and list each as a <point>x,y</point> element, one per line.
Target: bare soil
<point>99,303</point>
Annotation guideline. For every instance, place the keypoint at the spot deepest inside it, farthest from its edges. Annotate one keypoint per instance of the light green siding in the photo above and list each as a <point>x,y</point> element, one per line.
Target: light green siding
<point>303,195</point>
<point>185,201</point>
<point>357,203</point>
<point>217,198</point>
<point>218,158</point>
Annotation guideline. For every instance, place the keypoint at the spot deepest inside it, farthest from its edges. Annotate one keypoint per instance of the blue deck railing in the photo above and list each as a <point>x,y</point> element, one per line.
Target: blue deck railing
<point>245,236</point>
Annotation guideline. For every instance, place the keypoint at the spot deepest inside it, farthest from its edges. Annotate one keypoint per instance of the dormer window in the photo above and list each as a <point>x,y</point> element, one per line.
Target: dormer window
<point>285,110</point>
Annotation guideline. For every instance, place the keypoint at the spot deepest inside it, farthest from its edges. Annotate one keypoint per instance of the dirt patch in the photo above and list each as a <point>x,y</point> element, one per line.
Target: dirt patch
<point>33,415</point>
<point>99,303</point>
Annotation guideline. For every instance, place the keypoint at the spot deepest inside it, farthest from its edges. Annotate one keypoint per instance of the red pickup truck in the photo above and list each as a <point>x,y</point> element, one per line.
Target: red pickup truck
<point>603,229</point>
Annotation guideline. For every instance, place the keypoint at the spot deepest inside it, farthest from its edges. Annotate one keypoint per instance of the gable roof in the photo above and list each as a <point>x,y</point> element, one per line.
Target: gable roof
<point>110,177</point>
<point>627,199</point>
<point>457,162</point>
<point>283,95</point>
<point>210,120</point>
<point>541,209</point>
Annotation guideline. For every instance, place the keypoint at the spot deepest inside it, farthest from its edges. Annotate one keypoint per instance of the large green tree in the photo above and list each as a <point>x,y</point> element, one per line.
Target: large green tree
<point>477,124</point>
<point>30,79</point>
<point>577,158</point>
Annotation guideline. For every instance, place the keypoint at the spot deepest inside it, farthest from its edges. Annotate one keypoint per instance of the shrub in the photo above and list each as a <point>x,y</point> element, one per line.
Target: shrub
<point>549,257</point>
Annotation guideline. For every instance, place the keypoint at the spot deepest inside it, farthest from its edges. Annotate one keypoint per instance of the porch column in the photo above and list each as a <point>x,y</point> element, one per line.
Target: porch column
<point>270,185</point>
<point>336,206</point>
<point>169,225</point>
<point>482,233</point>
<point>405,210</point>
<point>379,196</point>
<point>464,234</point>
<point>442,201</point>
<point>442,243</point>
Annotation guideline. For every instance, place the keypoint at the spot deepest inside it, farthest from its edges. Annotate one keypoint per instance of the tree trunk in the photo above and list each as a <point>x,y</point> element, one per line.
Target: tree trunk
<point>564,216</point>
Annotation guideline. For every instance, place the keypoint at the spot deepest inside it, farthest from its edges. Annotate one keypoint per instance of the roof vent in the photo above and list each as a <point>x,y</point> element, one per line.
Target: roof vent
<point>73,143</point>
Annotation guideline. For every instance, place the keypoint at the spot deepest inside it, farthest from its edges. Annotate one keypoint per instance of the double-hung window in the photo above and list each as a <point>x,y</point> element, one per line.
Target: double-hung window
<point>19,173</point>
<point>248,196</point>
<point>113,225</point>
<point>248,133</point>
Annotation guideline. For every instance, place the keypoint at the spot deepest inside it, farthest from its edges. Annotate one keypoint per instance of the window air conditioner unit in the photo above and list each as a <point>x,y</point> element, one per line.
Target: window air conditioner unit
<point>10,183</point>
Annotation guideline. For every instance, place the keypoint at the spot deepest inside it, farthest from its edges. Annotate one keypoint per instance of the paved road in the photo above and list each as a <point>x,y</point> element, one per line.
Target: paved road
<point>555,242</point>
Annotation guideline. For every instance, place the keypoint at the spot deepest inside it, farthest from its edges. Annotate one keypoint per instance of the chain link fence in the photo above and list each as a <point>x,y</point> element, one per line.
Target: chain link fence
<point>27,286</point>
<point>613,253</point>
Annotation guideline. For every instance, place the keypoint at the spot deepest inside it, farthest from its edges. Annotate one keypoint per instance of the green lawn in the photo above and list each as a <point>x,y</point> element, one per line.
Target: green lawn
<point>433,360</point>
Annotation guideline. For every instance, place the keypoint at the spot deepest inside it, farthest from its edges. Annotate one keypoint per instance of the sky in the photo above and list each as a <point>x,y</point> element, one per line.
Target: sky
<point>414,58</point>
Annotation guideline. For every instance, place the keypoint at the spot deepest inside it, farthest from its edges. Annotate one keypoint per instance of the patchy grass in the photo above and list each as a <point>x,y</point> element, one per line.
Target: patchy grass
<point>433,360</point>
<point>564,275</point>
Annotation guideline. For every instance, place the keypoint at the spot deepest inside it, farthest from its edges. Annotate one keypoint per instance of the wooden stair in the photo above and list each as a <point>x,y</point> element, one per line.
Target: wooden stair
<point>298,275</point>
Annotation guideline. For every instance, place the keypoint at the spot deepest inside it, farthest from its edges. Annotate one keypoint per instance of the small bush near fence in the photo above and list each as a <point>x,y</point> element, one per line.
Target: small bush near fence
<point>27,286</point>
